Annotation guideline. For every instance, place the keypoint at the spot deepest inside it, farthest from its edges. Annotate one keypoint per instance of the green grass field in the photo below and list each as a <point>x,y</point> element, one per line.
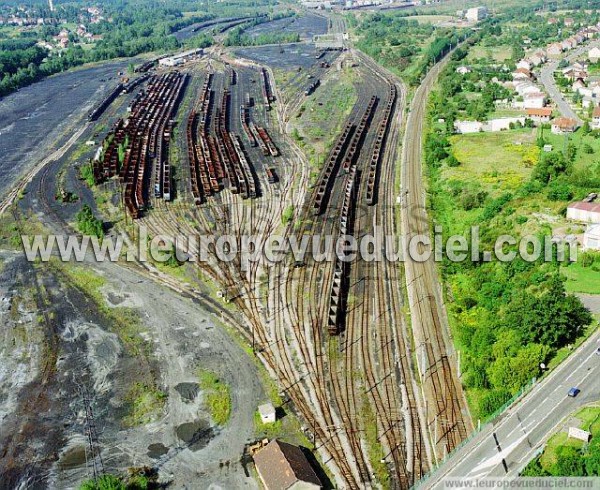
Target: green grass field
<point>496,53</point>
<point>498,161</point>
<point>581,279</point>
<point>431,19</point>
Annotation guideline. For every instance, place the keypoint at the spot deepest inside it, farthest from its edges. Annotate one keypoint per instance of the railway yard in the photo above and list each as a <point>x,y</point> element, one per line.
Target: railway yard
<point>205,149</point>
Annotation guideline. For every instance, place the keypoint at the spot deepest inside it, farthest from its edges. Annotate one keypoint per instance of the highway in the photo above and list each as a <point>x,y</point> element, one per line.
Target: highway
<point>526,427</point>
<point>448,419</point>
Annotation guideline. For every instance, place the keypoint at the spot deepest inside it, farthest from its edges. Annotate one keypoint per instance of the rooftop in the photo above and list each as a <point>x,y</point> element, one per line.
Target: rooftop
<point>280,465</point>
<point>543,112</point>
<point>593,207</point>
<point>565,122</point>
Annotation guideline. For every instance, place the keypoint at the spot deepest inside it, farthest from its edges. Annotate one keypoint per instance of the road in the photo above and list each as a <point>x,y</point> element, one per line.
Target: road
<point>523,431</point>
<point>447,414</point>
<point>547,80</point>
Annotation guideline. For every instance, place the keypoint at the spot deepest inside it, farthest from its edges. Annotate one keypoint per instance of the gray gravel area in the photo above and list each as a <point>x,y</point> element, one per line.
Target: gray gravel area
<point>34,120</point>
<point>591,301</point>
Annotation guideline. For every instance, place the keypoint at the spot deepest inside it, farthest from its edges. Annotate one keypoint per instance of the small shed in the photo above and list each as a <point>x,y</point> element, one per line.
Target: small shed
<point>267,412</point>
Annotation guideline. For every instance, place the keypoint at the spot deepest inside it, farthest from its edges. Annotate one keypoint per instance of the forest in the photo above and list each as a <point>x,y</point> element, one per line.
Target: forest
<point>134,28</point>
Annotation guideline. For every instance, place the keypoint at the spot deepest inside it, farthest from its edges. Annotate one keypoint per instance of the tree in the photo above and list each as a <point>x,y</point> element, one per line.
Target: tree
<point>552,318</point>
<point>550,166</point>
<point>492,401</point>
<point>560,191</point>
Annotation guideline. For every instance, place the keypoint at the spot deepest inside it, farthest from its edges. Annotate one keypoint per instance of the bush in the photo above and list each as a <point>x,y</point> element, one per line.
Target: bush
<point>492,401</point>
<point>560,192</point>
<point>88,224</point>
<point>452,161</point>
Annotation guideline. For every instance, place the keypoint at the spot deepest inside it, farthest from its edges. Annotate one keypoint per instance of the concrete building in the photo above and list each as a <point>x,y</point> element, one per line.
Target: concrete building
<point>467,127</point>
<point>476,14</point>
<point>564,125</point>
<point>268,414</point>
<point>282,466</point>
<point>591,238</point>
<point>586,212</point>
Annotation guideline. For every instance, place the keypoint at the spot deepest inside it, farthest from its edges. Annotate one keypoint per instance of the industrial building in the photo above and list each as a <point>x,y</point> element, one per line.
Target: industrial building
<point>587,212</point>
<point>180,58</point>
<point>476,14</point>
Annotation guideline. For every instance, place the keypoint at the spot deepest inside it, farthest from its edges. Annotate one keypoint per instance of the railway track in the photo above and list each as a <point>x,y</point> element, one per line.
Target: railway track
<point>325,378</point>
<point>446,413</point>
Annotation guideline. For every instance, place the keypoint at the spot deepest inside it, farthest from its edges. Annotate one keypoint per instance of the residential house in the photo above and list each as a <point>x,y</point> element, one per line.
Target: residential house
<point>569,22</point>
<point>526,64</point>
<point>282,466</point>
<point>535,100</point>
<point>552,20</point>
<point>578,84</point>
<point>588,101</point>
<point>587,212</point>
<point>536,60</point>
<point>594,54</point>
<point>596,118</point>
<point>554,50</point>
<point>567,44</point>
<point>520,76</point>
<point>463,70</point>
<point>563,125</point>
<point>541,115</point>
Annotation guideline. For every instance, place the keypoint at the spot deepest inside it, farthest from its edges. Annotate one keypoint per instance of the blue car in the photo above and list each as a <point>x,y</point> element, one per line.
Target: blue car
<point>573,392</point>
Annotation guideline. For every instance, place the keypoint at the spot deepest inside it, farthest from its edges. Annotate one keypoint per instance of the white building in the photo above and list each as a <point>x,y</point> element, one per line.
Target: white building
<point>587,212</point>
<point>476,14</point>
<point>268,414</point>
<point>594,54</point>
<point>534,100</point>
<point>502,123</point>
<point>466,127</point>
<point>591,238</point>
<point>180,58</point>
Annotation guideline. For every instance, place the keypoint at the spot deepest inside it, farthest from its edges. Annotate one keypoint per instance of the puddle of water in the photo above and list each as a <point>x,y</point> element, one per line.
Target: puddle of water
<point>188,391</point>
<point>196,434</point>
<point>72,458</point>
<point>155,451</point>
